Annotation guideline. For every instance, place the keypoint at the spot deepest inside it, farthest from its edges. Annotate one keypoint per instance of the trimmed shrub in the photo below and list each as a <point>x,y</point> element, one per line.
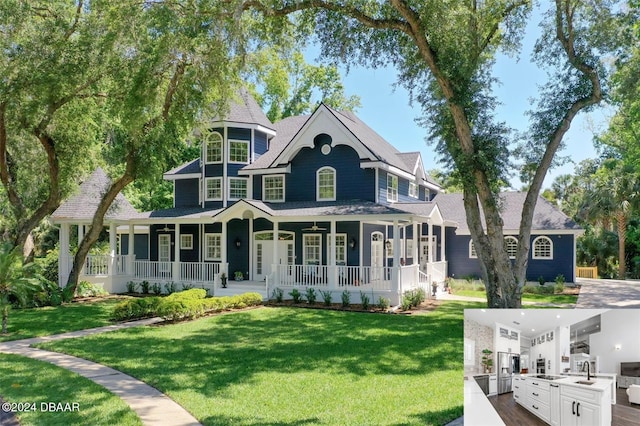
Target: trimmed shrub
<point>145,286</point>
<point>383,303</point>
<point>157,290</point>
<point>326,297</point>
<point>311,295</point>
<point>346,298</point>
<point>296,295</point>
<point>144,307</point>
<point>364,297</point>
<point>277,294</point>
<point>87,289</point>
<point>194,293</point>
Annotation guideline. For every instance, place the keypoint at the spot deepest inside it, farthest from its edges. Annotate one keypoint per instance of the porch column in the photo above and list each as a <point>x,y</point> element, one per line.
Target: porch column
<point>63,257</point>
<point>395,274</point>
<point>414,254</point>
<point>250,242</point>
<point>223,247</point>
<point>333,270</point>
<point>442,247</point>
<point>131,249</point>
<point>112,249</point>
<point>274,267</point>
<point>429,242</point>
<point>176,255</point>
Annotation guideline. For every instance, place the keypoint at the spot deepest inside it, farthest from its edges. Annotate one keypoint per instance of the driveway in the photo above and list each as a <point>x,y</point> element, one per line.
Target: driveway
<point>608,293</point>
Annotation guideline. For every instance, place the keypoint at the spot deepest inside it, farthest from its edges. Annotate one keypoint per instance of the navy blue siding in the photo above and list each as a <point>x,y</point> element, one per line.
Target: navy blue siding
<point>403,189</point>
<point>238,258</point>
<point>461,265</point>
<point>352,182</point>
<point>259,144</point>
<point>238,134</point>
<point>213,170</point>
<point>186,192</point>
<point>154,231</point>
<point>191,255</point>
<point>140,245</point>
<point>232,169</point>
<point>213,204</point>
<point>257,187</point>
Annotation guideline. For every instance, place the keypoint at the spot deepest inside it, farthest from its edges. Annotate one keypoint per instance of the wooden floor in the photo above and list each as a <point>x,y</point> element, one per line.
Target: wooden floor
<point>623,413</point>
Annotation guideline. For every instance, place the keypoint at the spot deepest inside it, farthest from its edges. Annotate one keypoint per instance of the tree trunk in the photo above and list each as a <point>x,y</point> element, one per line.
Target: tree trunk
<point>97,224</point>
<point>5,316</point>
<point>621,220</point>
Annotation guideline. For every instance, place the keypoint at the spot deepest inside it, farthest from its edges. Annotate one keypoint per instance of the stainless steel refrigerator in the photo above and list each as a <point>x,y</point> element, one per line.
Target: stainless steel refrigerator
<point>508,365</point>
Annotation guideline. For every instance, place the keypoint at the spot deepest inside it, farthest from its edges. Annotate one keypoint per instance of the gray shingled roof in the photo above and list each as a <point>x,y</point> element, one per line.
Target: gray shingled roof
<point>285,129</point>
<point>186,168</point>
<point>83,205</point>
<point>178,212</point>
<point>314,208</point>
<point>244,109</point>
<point>546,216</point>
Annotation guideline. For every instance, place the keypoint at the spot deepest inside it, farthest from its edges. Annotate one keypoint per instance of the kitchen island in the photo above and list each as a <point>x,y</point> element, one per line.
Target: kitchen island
<point>562,400</point>
<point>477,408</point>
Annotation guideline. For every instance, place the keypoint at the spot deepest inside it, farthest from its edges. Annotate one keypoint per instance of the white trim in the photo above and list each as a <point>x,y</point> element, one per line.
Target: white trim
<point>229,197</point>
<point>205,250</point>
<point>180,177</point>
<point>473,253</point>
<point>345,245</point>
<point>240,125</point>
<point>206,143</point>
<point>394,178</point>
<point>284,195</point>
<point>335,186</point>
<point>236,141</point>
<point>188,246</point>
<point>304,247</point>
<point>267,171</point>
<point>206,188</point>
<point>533,248</point>
<point>377,185</point>
<point>387,168</point>
<point>163,236</point>
<point>510,238</point>
<point>515,232</point>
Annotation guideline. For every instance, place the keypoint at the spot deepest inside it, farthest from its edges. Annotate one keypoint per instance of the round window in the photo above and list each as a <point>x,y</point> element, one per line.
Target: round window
<point>326,149</point>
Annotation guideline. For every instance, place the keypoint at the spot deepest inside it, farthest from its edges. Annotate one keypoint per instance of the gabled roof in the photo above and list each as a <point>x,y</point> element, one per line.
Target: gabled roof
<point>244,109</point>
<point>177,213</point>
<point>546,216</point>
<point>83,205</point>
<point>285,129</point>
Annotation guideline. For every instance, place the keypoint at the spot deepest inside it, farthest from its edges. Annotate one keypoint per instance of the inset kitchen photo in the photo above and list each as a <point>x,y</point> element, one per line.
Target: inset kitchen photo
<point>551,367</point>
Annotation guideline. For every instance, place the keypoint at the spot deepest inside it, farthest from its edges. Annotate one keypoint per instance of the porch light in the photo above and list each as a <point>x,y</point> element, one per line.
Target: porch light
<point>238,243</point>
<point>352,243</point>
<point>387,244</point>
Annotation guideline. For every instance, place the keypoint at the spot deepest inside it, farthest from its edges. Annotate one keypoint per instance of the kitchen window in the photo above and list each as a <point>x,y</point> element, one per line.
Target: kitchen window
<point>237,188</point>
<point>239,152</point>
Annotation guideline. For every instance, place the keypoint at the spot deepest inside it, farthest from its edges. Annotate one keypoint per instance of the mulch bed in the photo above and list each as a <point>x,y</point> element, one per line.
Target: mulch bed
<point>426,306</point>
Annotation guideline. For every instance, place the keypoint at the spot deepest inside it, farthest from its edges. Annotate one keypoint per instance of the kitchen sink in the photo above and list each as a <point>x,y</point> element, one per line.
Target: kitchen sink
<point>585,382</point>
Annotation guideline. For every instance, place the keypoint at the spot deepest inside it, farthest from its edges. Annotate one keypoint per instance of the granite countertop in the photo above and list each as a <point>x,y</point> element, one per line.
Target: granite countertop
<point>600,384</point>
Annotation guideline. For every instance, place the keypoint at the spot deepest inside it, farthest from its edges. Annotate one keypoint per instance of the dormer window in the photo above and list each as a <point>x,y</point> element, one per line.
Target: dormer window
<point>413,190</point>
<point>213,143</point>
<point>392,188</point>
<point>326,184</point>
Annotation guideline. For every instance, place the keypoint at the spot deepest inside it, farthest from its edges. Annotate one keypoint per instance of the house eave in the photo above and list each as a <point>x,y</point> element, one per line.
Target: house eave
<point>241,125</point>
<point>388,168</point>
<point>182,176</point>
<point>265,171</point>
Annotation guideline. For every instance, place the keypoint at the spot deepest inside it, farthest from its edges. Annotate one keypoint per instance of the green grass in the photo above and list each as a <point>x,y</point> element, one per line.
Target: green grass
<point>289,366</point>
<point>25,323</point>
<point>24,380</point>
<point>527,297</point>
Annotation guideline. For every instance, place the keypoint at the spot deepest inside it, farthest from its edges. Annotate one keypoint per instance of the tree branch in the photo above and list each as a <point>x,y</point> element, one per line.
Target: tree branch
<point>76,19</point>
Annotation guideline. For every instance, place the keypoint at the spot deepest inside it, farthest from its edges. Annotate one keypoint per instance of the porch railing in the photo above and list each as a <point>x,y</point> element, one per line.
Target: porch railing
<point>340,276</point>
<point>199,271</point>
<point>99,265</point>
<point>437,271</point>
<point>146,269</point>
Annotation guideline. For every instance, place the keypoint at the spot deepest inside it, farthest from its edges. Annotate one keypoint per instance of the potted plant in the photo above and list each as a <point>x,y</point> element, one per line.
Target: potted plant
<point>487,360</point>
<point>238,275</point>
<point>223,280</point>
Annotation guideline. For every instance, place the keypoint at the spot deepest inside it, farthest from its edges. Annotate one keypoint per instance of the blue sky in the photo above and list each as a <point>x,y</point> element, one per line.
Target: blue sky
<point>388,112</point>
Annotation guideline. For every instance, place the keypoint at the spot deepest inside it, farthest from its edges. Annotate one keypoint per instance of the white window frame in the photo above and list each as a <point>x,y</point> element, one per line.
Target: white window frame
<point>533,251</point>
<point>246,180</point>
<point>186,241</point>
<point>206,245</point>
<point>306,246</point>
<point>206,189</point>
<point>229,150</point>
<point>514,240</point>
<point>392,188</point>
<point>208,141</point>
<point>264,188</point>
<point>473,254</point>
<point>413,190</point>
<point>343,244</point>
<point>333,173</point>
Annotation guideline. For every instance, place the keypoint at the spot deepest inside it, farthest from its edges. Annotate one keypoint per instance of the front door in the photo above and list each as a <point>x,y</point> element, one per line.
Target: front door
<point>377,255</point>
<point>164,252</point>
<point>426,244</point>
<point>264,257</point>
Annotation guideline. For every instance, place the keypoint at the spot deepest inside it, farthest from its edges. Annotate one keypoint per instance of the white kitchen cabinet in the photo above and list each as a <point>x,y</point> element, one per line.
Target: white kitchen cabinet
<point>469,352</point>
<point>584,407</point>
<point>493,384</point>
<point>554,404</point>
<point>506,339</point>
<point>519,391</point>
<point>538,398</point>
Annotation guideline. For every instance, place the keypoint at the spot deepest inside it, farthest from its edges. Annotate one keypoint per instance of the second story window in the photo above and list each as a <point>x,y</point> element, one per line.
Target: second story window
<point>239,152</point>
<point>392,188</point>
<point>237,188</point>
<point>213,142</point>
<point>273,188</point>
<point>326,184</point>
<point>213,189</point>
<point>413,190</point>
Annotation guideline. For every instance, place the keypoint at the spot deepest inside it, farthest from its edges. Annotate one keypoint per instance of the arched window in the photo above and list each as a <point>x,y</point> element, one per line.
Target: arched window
<point>213,143</point>
<point>543,248</point>
<point>511,243</point>
<point>326,184</point>
<point>472,250</point>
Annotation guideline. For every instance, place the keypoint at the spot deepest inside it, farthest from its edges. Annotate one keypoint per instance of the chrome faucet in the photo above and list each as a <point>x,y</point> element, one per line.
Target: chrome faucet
<point>586,363</point>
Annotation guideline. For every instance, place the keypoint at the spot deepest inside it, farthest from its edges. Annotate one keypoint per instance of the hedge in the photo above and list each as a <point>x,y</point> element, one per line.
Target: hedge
<point>186,304</point>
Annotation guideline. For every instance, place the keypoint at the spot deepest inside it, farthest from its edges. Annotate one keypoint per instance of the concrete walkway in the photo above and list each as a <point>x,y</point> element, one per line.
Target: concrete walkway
<point>152,406</point>
<point>608,293</point>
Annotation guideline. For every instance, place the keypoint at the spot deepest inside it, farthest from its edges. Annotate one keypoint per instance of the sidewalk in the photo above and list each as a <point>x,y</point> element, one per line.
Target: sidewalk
<point>152,406</point>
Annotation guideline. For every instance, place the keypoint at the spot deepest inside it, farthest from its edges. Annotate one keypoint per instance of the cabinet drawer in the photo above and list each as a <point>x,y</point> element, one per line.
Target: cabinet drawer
<point>586,395</point>
<point>539,409</point>
<point>540,395</point>
<point>539,384</point>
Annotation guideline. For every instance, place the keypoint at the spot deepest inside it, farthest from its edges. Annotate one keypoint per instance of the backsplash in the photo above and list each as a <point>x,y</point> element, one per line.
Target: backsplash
<point>483,337</point>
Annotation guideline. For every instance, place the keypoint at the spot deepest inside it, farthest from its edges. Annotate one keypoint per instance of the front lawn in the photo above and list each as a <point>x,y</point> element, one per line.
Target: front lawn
<point>556,299</point>
<point>35,322</point>
<point>27,382</point>
<point>297,366</point>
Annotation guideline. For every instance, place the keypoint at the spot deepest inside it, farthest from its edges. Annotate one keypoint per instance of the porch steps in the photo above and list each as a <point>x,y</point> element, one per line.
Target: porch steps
<point>239,287</point>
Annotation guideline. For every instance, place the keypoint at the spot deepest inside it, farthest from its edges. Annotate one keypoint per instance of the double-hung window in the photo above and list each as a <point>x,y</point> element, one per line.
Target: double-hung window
<point>213,144</point>
<point>237,188</point>
<point>413,190</point>
<point>239,152</point>
<point>186,241</point>
<point>312,249</point>
<point>213,188</point>
<point>326,184</point>
<point>212,247</point>
<point>273,188</point>
<point>392,188</point>
<point>341,248</point>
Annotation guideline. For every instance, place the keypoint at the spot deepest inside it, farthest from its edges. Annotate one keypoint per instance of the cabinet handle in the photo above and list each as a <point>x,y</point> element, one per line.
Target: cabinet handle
<point>534,407</point>
<point>535,394</point>
<point>534,383</point>
<point>578,410</point>
<point>573,408</point>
